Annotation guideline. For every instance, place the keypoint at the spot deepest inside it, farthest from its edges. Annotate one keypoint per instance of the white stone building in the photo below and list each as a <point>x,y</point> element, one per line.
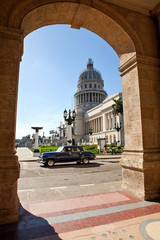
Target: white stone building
<point>94,118</point>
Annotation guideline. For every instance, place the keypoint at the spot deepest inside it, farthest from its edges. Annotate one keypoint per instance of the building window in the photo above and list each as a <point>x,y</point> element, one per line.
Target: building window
<point>95,86</point>
<point>90,85</point>
<point>85,85</point>
<point>99,86</point>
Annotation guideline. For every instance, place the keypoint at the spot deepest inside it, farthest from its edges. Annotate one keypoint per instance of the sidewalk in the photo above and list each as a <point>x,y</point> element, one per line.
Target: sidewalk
<point>24,154</point>
<point>108,156</point>
<point>112,216</point>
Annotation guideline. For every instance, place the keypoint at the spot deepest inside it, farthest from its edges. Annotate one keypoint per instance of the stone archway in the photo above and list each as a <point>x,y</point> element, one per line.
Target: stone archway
<point>135,39</point>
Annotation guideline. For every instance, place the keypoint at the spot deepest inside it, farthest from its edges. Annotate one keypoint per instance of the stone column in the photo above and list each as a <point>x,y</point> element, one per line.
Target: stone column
<point>69,134</point>
<point>109,117</point>
<point>10,56</point>
<point>141,159</point>
<point>104,122</point>
<point>156,13</point>
<point>98,125</point>
<point>96,122</point>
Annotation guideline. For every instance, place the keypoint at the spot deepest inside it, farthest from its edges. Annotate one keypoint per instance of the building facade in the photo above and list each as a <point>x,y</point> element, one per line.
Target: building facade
<point>100,123</point>
<point>94,117</point>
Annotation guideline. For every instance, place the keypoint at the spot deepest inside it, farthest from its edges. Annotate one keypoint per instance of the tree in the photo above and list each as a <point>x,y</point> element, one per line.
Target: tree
<point>117,106</point>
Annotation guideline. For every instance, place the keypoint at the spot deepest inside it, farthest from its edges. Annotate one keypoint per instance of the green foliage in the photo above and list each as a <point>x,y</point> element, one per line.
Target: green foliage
<point>117,106</point>
<point>91,148</point>
<point>48,149</point>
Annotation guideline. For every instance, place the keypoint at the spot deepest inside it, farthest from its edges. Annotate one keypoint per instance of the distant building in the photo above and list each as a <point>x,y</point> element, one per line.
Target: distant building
<point>94,118</point>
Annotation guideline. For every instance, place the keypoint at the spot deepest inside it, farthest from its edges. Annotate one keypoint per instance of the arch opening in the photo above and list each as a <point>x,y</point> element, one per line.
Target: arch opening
<point>140,83</point>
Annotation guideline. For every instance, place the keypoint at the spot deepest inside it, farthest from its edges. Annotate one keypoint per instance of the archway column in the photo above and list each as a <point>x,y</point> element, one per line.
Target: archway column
<point>141,159</point>
<point>156,13</point>
<point>10,55</point>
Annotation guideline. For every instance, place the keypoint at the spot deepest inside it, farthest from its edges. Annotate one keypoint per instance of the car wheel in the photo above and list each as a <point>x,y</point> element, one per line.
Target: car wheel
<point>85,160</point>
<point>50,163</point>
<point>46,164</point>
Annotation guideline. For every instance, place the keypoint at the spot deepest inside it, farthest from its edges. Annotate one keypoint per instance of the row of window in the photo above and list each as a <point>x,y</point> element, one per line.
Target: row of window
<point>91,86</point>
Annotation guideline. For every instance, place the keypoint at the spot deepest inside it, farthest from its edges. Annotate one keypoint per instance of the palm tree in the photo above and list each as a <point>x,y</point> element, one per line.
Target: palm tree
<point>117,106</point>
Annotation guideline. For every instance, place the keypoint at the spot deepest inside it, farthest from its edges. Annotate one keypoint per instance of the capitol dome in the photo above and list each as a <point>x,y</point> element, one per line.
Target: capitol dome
<point>90,90</point>
<point>90,75</point>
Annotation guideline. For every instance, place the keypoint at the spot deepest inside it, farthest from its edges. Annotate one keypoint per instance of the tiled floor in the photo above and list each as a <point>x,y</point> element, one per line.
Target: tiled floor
<point>114,215</point>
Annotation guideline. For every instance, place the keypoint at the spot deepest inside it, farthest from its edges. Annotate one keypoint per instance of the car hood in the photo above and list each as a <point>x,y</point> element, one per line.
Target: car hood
<point>47,154</point>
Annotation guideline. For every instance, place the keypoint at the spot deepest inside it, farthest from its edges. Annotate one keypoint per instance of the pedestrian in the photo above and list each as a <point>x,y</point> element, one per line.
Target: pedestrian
<point>113,150</point>
<point>105,148</point>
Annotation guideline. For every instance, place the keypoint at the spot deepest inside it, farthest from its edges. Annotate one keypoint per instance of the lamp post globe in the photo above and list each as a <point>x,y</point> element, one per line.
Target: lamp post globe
<point>69,119</point>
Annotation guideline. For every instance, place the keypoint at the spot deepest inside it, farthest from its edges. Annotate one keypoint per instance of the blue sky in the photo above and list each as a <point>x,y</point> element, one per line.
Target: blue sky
<point>54,56</point>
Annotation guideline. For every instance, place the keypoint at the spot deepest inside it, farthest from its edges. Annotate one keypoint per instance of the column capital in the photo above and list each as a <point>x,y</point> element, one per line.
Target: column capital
<point>138,59</point>
<point>156,11</point>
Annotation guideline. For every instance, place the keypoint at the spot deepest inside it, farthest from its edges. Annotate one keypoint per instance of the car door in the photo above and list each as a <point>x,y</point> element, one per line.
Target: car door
<point>76,154</point>
<point>66,154</point>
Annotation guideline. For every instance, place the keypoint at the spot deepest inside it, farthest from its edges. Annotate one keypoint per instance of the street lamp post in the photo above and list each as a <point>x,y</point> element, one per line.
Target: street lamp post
<point>118,128</point>
<point>69,119</point>
<point>36,150</point>
<point>90,135</point>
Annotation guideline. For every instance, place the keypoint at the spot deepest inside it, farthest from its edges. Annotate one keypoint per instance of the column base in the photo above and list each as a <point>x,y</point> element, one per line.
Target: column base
<point>9,209</point>
<point>36,153</point>
<point>9,201</point>
<point>140,174</point>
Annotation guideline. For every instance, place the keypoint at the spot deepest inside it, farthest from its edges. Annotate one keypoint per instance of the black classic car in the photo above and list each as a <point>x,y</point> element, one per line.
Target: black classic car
<point>66,154</point>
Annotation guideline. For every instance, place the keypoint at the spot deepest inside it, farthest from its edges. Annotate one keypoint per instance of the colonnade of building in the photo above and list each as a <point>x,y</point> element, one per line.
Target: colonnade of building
<point>89,97</point>
<point>104,126</point>
<point>106,122</point>
<point>96,125</point>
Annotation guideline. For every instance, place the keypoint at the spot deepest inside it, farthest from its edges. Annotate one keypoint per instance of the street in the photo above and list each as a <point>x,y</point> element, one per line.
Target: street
<point>37,182</point>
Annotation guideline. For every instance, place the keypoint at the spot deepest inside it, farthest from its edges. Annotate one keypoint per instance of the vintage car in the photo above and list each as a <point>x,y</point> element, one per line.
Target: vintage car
<point>66,154</point>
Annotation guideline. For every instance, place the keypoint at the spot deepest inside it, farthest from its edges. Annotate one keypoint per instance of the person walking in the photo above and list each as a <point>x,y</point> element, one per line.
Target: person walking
<point>113,150</point>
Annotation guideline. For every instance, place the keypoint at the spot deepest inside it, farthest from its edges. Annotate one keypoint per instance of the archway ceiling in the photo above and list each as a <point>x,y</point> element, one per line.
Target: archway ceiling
<point>141,6</point>
<point>78,16</point>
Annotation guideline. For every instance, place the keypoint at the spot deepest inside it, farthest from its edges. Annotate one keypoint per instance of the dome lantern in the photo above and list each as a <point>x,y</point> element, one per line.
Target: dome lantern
<point>90,64</point>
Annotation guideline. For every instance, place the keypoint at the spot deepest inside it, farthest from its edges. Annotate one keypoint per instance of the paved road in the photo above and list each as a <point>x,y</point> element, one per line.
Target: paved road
<point>63,180</point>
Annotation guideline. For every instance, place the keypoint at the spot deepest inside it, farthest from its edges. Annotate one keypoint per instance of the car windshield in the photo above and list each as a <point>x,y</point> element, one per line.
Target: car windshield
<point>60,149</point>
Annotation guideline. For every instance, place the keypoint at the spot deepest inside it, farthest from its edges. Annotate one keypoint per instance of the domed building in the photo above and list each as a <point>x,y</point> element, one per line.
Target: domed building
<point>95,122</point>
<point>90,91</point>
